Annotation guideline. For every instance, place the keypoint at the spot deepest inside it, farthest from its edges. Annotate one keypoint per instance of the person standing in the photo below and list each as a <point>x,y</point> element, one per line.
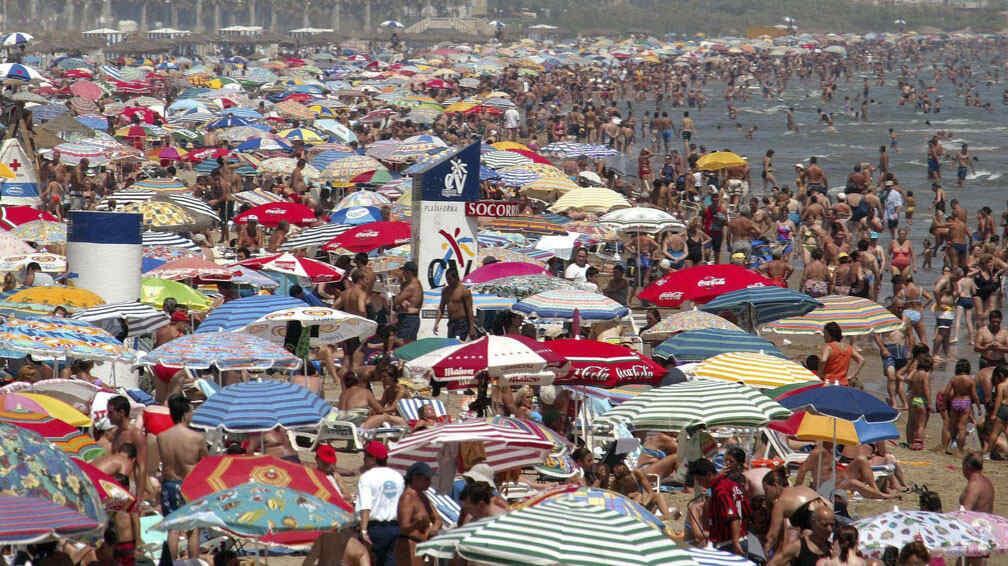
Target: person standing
<point>180,449</point>
<point>378,491</point>
<point>418,521</point>
<point>836,356</point>
<point>407,304</point>
<point>726,509</point>
<point>978,495</point>
<point>457,303</point>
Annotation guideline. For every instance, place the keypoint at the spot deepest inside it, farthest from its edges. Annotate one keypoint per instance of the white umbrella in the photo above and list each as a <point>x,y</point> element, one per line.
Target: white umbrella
<point>640,219</point>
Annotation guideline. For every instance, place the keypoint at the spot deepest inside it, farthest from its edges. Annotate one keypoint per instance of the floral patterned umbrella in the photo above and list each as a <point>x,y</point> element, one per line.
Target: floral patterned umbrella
<point>523,286</point>
<point>941,534</point>
<point>32,467</point>
<point>41,232</point>
<point>225,350</point>
<point>160,214</point>
<point>993,527</point>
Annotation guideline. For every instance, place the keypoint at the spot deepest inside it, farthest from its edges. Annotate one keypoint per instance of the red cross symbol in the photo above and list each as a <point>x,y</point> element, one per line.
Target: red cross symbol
<point>15,165</point>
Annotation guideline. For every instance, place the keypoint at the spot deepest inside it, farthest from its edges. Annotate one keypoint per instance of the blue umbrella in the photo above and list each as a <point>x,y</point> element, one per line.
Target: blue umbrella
<point>842,402</point>
<point>323,159</point>
<point>228,121</point>
<point>237,314</point>
<point>869,432</point>
<point>264,144</point>
<point>356,215</point>
<point>698,345</point>
<point>767,303</point>
<point>260,406</point>
<point>16,38</point>
<point>94,122</point>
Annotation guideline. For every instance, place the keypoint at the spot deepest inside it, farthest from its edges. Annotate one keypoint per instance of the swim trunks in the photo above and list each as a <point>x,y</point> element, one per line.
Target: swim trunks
<point>961,405</point>
<point>171,496</point>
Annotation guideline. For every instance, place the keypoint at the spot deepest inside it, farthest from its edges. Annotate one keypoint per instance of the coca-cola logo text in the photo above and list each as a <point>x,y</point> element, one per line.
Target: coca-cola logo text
<point>710,282</point>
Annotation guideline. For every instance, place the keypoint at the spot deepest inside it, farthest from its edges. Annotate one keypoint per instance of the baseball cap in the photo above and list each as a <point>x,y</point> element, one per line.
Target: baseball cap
<point>376,450</point>
<point>325,454</point>
<point>179,316</point>
<point>419,469</point>
<point>481,473</point>
<point>410,266</point>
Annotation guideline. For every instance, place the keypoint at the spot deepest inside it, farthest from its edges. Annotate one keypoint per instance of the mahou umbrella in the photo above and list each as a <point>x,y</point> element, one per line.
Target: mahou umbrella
<point>605,365</point>
<point>289,264</point>
<point>496,355</point>
<point>700,284</point>
<point>274,213</point>
<point>372,236</point>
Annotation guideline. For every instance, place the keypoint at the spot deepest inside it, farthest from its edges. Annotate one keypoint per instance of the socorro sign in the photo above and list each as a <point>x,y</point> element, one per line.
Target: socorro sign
<point>492,208</point>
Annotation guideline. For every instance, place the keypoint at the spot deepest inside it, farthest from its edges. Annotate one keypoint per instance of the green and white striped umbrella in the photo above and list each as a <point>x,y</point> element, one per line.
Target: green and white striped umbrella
<point>572,533</point>
<point>695,404</point>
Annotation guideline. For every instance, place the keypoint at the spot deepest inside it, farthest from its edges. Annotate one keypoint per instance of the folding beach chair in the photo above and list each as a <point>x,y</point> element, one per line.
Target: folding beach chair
<point>446,507</point>
<point>776,446</point>
<point>409,409</point>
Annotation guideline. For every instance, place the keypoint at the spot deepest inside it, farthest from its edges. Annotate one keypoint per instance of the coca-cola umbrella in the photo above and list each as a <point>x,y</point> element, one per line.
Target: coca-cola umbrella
<point>495,355</point>
<point>605,365</point>
<point>371,237</point>
<point>272,214</point>
<point>701,284</point>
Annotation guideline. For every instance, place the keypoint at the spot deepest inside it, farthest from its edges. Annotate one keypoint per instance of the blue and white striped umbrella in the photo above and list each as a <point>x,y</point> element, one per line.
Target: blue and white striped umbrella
<point>323,159</point>
<point>261,406</point>
<point>561,304</point>
<point>237,314</point>
<point>151,238</point>
<point>698,345</point>
<point>714,557</point>
<point>111,72</point>
<point>16,38</point>
<point>573,149</point>
<point>228,121</point>
<point>314,236</point>
<point>766,303</point>
<point>517,177</point>
<point>501,159</point>
<point>356,215</point>
<point>18,71</point>
<point>264,144</point>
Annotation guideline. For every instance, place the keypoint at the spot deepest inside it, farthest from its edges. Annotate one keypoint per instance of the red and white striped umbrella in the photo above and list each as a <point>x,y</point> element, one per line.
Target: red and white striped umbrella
<point>191,268</point>
<point>287,263</point>
<point>497,355</point>
<point>508,444</point>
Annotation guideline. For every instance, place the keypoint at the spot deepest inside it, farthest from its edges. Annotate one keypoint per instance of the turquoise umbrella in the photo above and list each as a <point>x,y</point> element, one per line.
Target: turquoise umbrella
<point>254,510</point>
<point>698,345</point>
<point>763,304</point>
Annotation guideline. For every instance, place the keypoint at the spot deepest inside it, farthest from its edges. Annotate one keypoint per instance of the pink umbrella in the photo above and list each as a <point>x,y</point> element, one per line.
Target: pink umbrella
<point>994,527</point>
<point>86,89</point>
<point>191,268</point>
<point>496,355</point>
<point>314,270</point>
<point>503,269</point>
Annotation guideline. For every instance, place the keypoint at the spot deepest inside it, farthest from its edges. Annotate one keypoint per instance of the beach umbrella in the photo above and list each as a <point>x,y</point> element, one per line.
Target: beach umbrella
<point>154,291</point>
<point>228,121</point>
<point>638,219</point>
<point>302,267</point>
<point>13,216</point>
<point>698,345</point>
<point>284,166</point>
<point>328,326</point>
<point>700,284</point>
<point>423,346</point>
<point>855,315</point>
<point>19,72</point>
<point>508,442</point>
<point>76,393</point>
<point>718,160</point>
<point>159,185</point>
<point>495,355</point>
<point>260,406</point>
<point>254,509</point>
<point>33,467</point>
<point>590,199</point>
<point>755,369</point>
<point>503,269</point>
<point>314,236</point>
<point>303,135</point>
<point>42,232</point>
<point>942,534</point>
<point>392,24</point>
<point>698,403</point>
<point>710,556</point>
<point>113,495</point>
<point>561,304</point>
<point>604,365</point>
<point>154,238</point>
<point>31,520</point>
<point>57,297</point>
<point>548,188</point>
<point>160,214</point>
<point>263,144</point>
<point>356,215</point>
<point>17,38</point>
<point>345,169</point>
<point>238,314</point>
<point>217,473</point>
<point>140,319</point>
<point>574,149</point>
<point>526,225</point>
<point>818,428</point>
<point>27,402</point>
<point>273,214</point>
<point>504,159</point>
<point>223,350</point>
<point>61,338</point>
<point>363,198</point>
<point>760,305</point>
<point>557,531</point>
<point>993,527</point>
<point>368,237</point>
<point>191,269</point>
<point>840,401</point>
<point>596,496</point>
<point>50,263</point>
<point>684,321</point>
<point>522,286</point>
<point>10,245</point>
<point>870,432</point>
<point>68,438</point>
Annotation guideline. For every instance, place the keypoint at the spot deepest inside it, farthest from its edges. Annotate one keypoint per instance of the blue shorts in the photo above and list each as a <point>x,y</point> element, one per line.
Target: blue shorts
<point>171,496</point>
<point>961,173</point>
<point>933,165</point>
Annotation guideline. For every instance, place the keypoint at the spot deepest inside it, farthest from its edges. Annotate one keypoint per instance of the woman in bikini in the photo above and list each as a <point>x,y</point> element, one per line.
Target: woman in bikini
<point>785,234</point>
<point>901,254</point>
<point>988,285</point>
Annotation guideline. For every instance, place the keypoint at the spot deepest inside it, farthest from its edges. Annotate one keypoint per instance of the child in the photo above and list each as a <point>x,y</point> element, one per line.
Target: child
<point>919,392</point>
<point>911,204</point>
<point>927,255</point>
<point>127,531</point>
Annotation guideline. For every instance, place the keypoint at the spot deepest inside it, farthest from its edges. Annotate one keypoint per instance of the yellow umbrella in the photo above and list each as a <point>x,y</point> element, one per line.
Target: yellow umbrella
<point>755,369</point>
<point>548,188</point>
<point>827,429</point>
<point>459,107</point>
<point>57,297</point>
<point>720,160</point>
<point>590,199</point>
<point>160,214</point>
<point>505,145</point>
<point>58,409</point>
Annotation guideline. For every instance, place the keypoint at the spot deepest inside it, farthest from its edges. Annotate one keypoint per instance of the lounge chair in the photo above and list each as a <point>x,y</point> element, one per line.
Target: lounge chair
<point>776,446</point>
<point>446,507</point>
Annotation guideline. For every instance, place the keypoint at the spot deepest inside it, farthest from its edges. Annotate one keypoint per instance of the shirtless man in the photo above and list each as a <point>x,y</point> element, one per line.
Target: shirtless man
<point>965,301</point>
<point>963,403</point>
<point>340,548</point>
<point>814,545</point>
<point>857,476</point>
<point>958,235</point>
<point>815,276</point>
<point>361,260</point>
<point>457,301</point>
<point>815,178</point>
<point>978,495</point>
<point>991,341</point>
<point>407,304</point>
<point>778,269</point>
<point>785,501</point>
<point>741,232</point>
<point>181,448</point>
<point>357,403</point>
<point>964,164</point>
<point>297,178</point>
<point>417,519</point>
<point>126,433</point>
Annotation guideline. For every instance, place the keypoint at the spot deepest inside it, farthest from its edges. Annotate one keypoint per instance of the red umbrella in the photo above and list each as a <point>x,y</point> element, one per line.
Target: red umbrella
<point>437,83</point>
<point>367,237</point>
<point>605,365</point>
<point>272,214</point>
<point>13,216</point>
<point>170,153</point>
<point>145,114</point>
<point>68,438</point>
<point>191,268</point>
<point>215,473</point>
<point>86,89</point>
<point>78,74</point>
<point>197,155</point>
<point>113,495</point>
<point>314,270</point>
<point>700,284</point>
<point>532,155</point>
<point>502,269</point>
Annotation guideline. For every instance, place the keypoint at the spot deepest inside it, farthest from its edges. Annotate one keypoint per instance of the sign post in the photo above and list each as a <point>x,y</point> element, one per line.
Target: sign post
<point>443,234</point>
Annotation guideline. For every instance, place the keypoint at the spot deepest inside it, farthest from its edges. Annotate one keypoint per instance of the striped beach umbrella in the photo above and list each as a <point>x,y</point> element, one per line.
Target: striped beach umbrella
<point>159,185</point>
<point>695,404</point>
<point>713,557</point>
<point>328,326</point>
<point>562,531</point>
<point>525,224</point>
<point>517,176</point>
<point>140,319</point>
<point>759,370</point>
<point>19,72</point>
<point>685,321</point>
<point>573,149</point>
<point>238,314</point>
<point>191,268</point>
<point>154,238</point>
<point>17,38</point>
<point>495,355</point>
<point>314,236</point>
<point>561,304</point>
<point>763,304</point>
<point>30,520</point>
<point>548,188</point>
<point>508,444</point>
<point>698,345</point>
<point>504,159</point>
<point>260,406</point>
<point>68,438</point>
<point>342,170</point>
<point>362,198</point>
<point>855,315</point>
<point>224,350</point>
<point>596,200</point>
<point>301,267</point>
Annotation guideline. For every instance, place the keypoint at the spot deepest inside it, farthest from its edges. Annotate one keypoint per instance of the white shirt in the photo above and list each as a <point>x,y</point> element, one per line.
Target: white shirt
<point>576,272</point>
<point>511,117</point>
<point>378,490</point>
<point>43,280</point>
<point>892,204</point>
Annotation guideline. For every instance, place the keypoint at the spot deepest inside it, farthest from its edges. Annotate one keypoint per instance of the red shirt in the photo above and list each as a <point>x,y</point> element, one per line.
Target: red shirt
<point>727,503</point>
